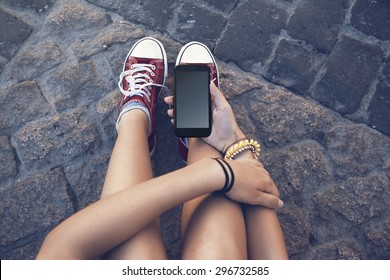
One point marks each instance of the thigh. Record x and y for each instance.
(213, 226)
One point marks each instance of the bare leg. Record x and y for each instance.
(264, 234)
(130, 165)
(213, 226)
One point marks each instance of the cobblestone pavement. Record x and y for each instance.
(309, 78)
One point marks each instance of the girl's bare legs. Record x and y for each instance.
(130, 165)
(213, 226)
(264, 234)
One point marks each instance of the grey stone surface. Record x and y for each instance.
(357, 200)
(21, 103)
(378, 240)
(372, 18)
(70, 86)
(246, 42)
(198, 23)
(54, 140)
(13, 33)
(351, 69)
(285, 66)
(380, 108)
(35, 59)
(340, 250)
(8, 164)
(355, 150)
(294, 66)
(318, 22)
(32, 204)
(282, 117)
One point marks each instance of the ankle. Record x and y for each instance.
(134, 119)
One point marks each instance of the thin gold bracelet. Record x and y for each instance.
(244, 145)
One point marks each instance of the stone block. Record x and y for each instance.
(33, 204)
(293, 66)
(222, 5)
(35, 59)
(355, 150)
(246, 42)
(318, 22)
(8, 164)
(38, 6)
(282, 117)
(234, 82)
(355, 201)
(377, 239)
(13, 33)
(107, 113)
(296, 229)
(298, 169)
(20, 104)
(198, 23)
(100, 40)
(338, 250)
(351, 68)
(54, 140)
(72, 15)
(379, 109)
(108, 4)
(87, 177)
(156, 16)
(77, 84)
(372, 18)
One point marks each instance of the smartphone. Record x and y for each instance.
(192, 101)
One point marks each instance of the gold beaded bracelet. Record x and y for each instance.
(241, 146)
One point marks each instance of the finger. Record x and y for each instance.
(217, 96)
(170, 113)
(169, 100)
(268, 200)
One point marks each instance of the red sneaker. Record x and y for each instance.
(196, 53)
(143, 78)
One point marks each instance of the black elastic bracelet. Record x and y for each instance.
(226, 175)
(231, 183)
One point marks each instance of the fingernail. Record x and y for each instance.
(280, 203)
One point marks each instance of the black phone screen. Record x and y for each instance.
(192, 101)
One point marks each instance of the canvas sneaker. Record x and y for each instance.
(196, 53)
(145, 71)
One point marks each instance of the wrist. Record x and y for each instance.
(237, 136)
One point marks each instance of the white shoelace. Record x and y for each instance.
(139, 83)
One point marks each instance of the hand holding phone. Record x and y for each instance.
(192, 101)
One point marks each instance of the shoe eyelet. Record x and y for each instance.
(153, 67)
(132, 66)
(152, 74)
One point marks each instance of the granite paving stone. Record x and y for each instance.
(372, 18)
(33, 203)
(340, 250)
(318, 22)
(13, 33)
(379, 108)
(78, 83)
(294, 66)
(56, 139)
(198, 23)
(34, 59)
(350, 70)
(250, 39)
(282, 117)
(21, 103)
(308, 79)
(378, 240)
(355, 150)
(8, 164)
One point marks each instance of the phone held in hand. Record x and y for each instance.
(192, 101)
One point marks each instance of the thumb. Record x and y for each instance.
(217, 95)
